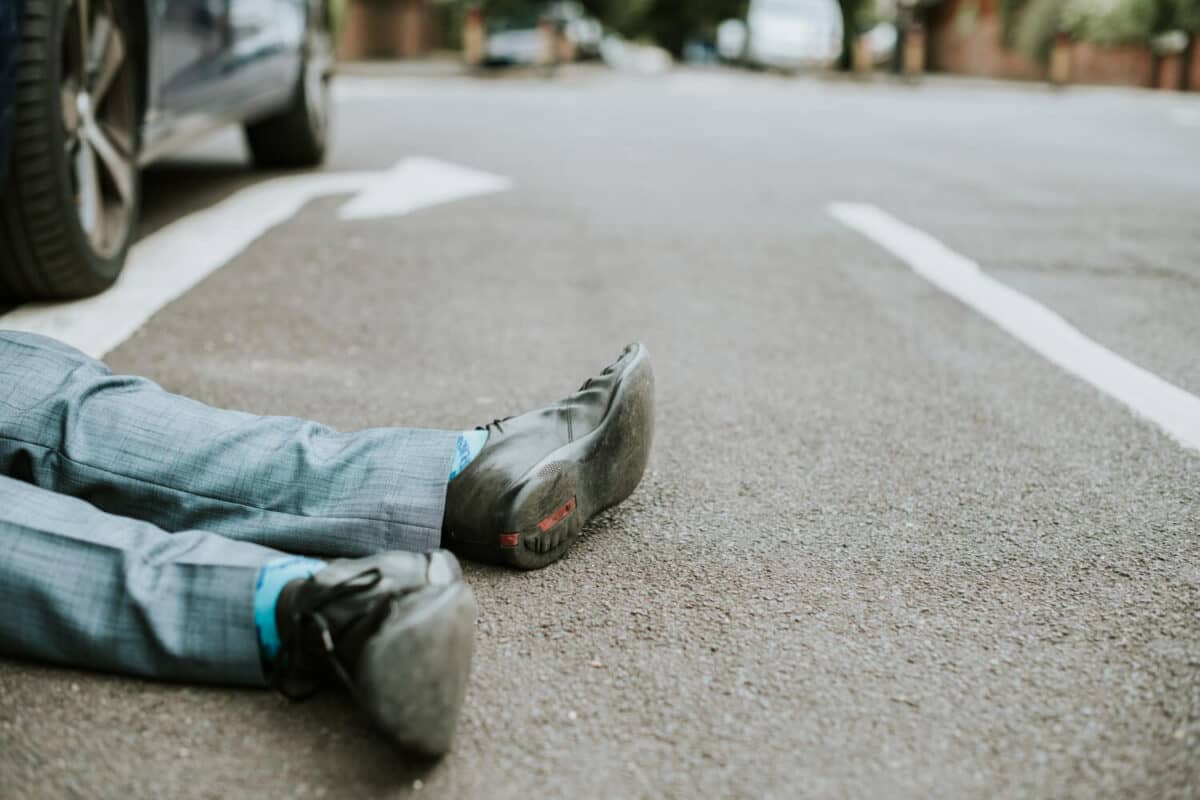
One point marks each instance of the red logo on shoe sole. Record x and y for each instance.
(561, 513)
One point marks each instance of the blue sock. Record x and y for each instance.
(273, 576)
(469, 445)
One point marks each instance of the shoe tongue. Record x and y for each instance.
(587, 408)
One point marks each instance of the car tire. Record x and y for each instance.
(69, 203)
(298, 135)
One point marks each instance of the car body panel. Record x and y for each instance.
(217, 62)
(521, 46)
(215, 52)
(208, 63)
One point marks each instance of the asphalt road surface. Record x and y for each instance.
(883, 548)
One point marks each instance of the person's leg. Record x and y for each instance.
(69, 425)
(521, 490)
(83, 588)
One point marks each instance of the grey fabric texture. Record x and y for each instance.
(133, 521)
(125, 445)
(85, 588)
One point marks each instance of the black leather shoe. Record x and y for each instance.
(396, 629)
(541, 476)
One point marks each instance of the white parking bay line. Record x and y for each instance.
(172, 260)
(1175, 411)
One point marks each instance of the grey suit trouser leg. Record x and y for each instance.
(133, 522)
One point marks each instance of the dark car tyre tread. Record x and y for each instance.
(285, 140)
(44, 252)
(290, 138)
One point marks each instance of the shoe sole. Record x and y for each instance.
(551, 503)
(413, 673)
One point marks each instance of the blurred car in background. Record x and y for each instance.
(514, 37)
(783, 34)
(107, 86)
(516, 32)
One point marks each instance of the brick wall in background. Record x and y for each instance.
(387, 29)
(966, 38)
(1127, 65)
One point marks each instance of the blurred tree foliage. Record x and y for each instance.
(1104, 22)
(337, 15)
(1036, 27)
(1184, 15)
(857, 17)
(1111, 21)
(624, 16)
(1010, 17)
(670, 23)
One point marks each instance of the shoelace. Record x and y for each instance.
(302, 619)
(496, 423)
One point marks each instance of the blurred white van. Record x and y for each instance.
(784, 34)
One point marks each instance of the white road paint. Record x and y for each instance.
(169, 262)
(417, 183)
(1175, 411)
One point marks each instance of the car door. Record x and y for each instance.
(266, 39)
(219, 56)
(192, 57)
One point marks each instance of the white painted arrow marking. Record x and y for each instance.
(418, 183)
(169, 262)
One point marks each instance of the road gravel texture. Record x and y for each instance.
(882, 549)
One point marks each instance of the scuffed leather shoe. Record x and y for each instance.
(542, 475)
(396, 629)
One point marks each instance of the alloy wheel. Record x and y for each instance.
(100, 123)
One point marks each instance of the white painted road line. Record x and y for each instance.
(171, 261)
(418, 183)
(1175, 411)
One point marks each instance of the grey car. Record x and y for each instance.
(91, 90)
